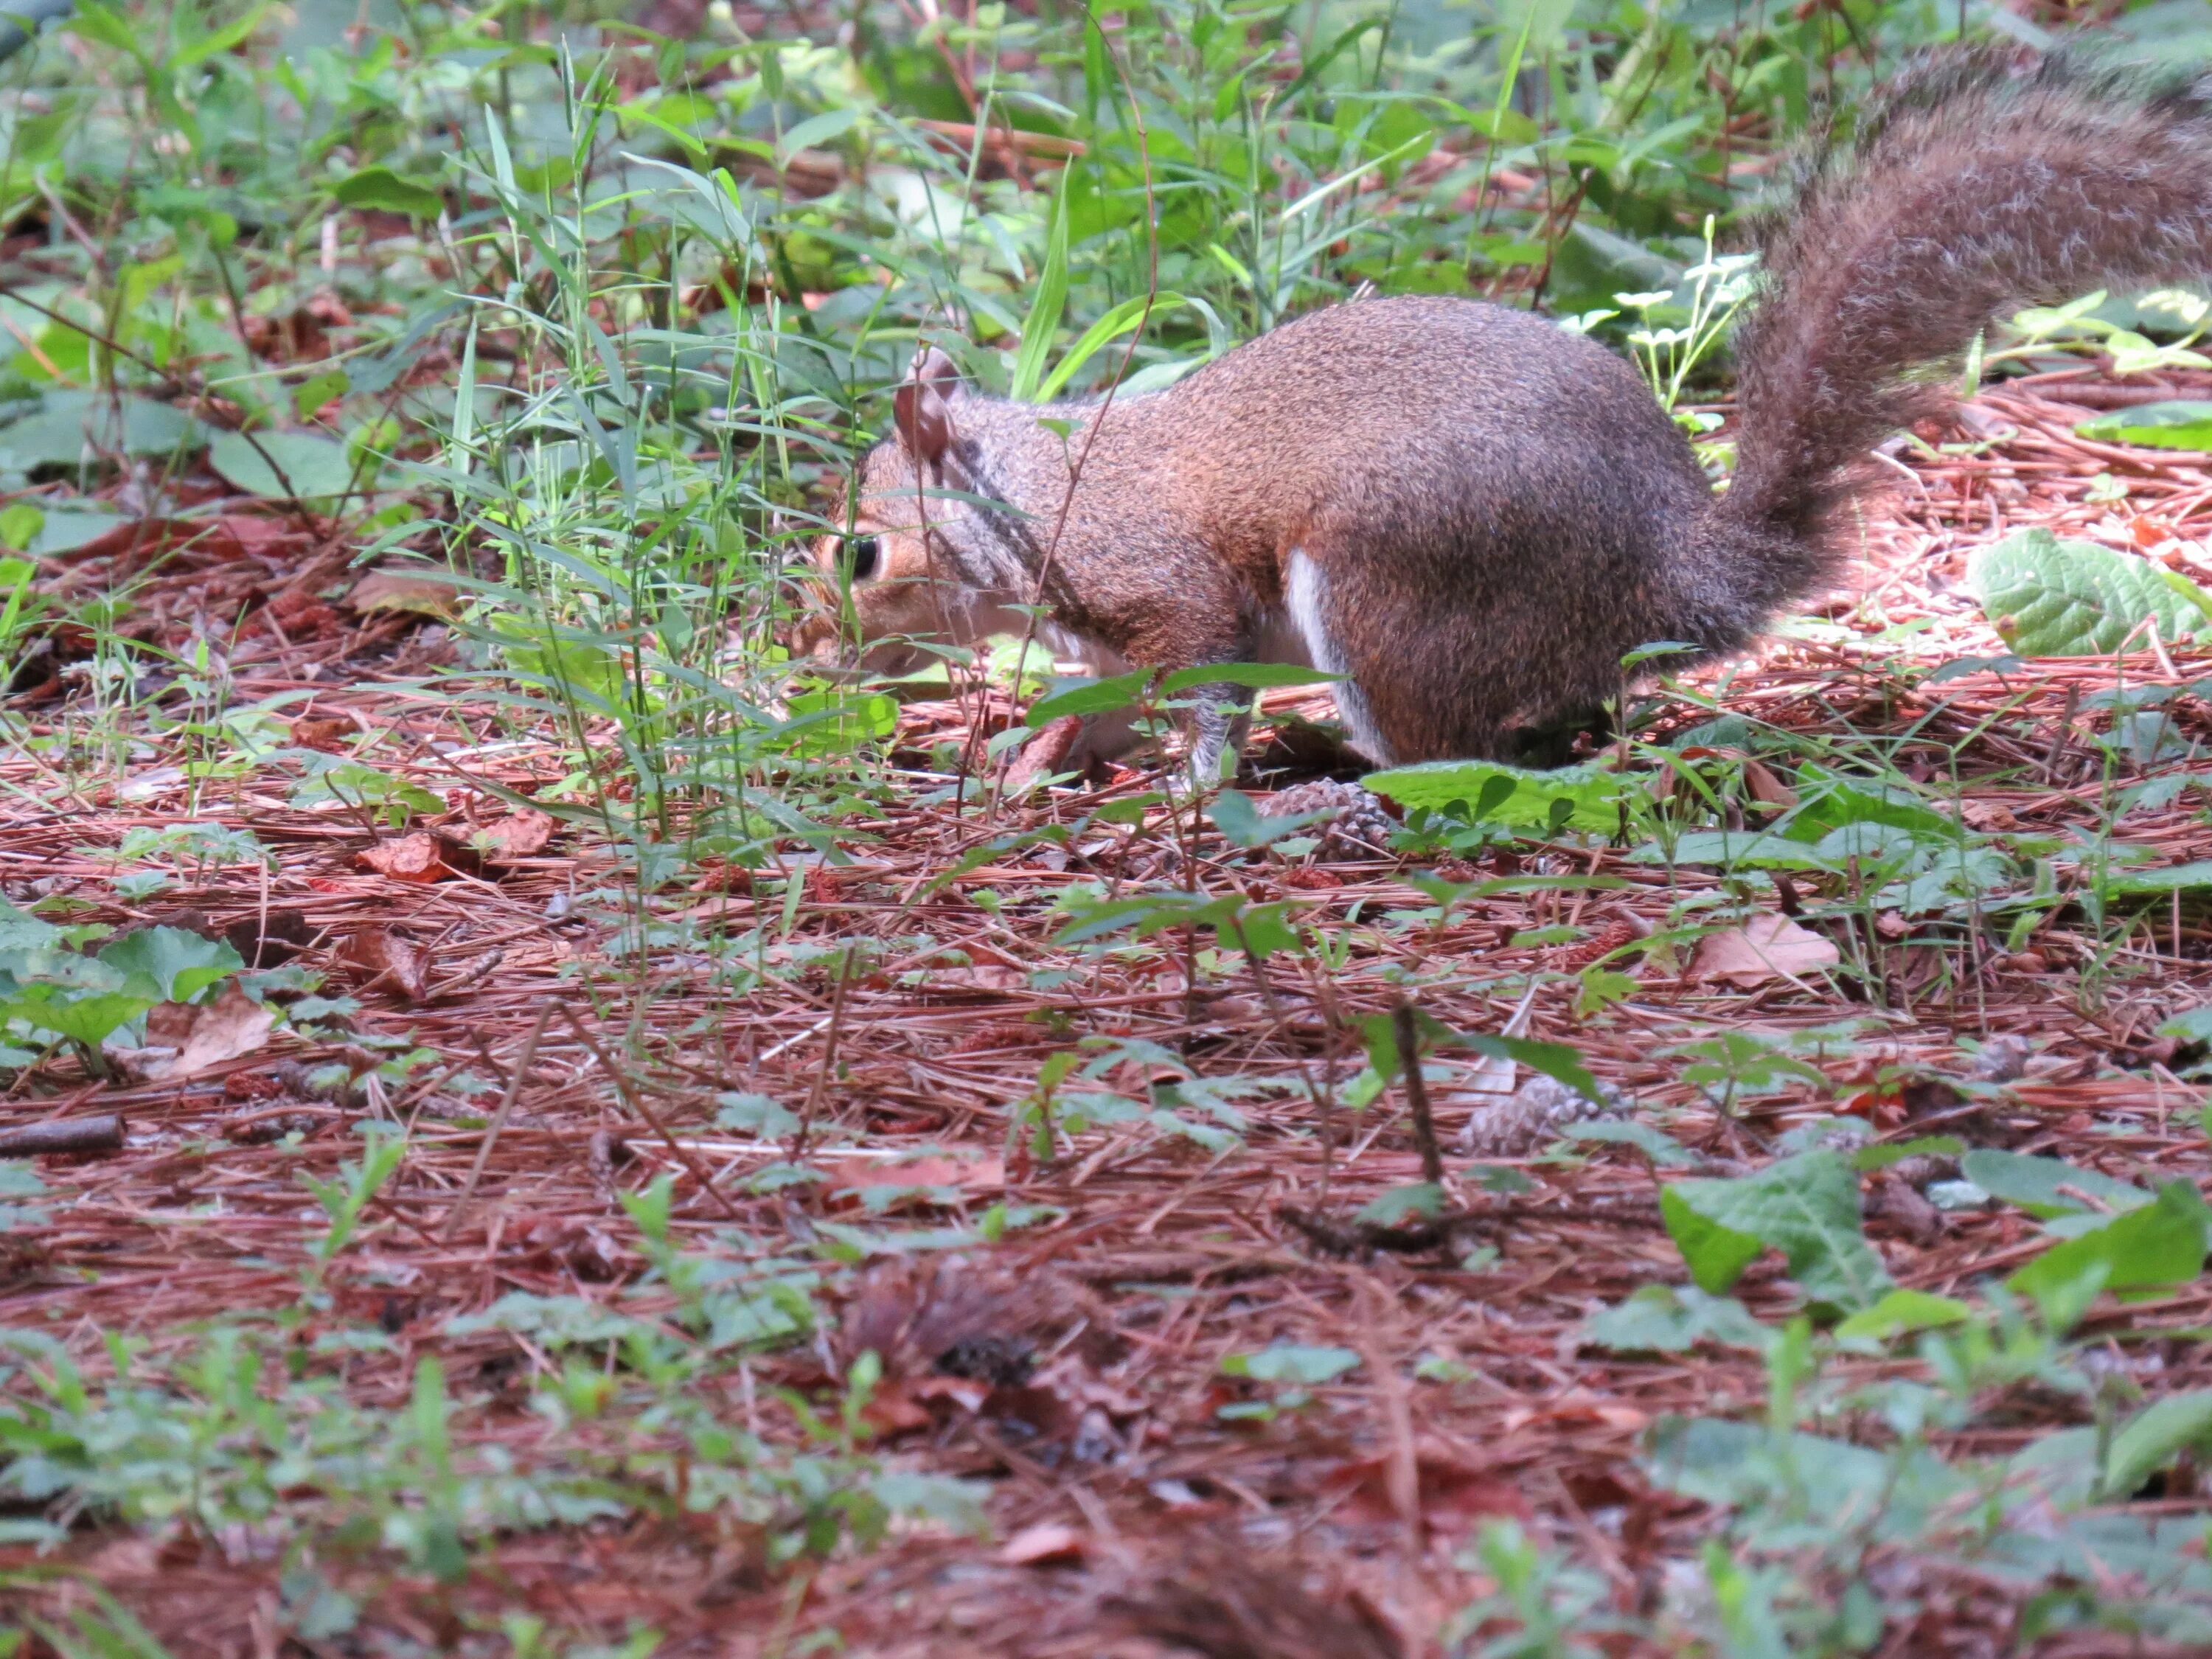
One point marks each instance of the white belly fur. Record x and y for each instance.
(1305, 599)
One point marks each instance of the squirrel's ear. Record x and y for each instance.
(923, 409)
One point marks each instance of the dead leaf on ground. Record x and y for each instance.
(1767, 947)
(1045, 753)
(420, 594)
(976, 977)
(1456, 1493)
(416, 856)
(388, 960)
(331, 735)
(522, 834)
(183, 1042)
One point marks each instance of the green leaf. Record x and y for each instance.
(1495, 792)
(1089, 697)
(382, 191)
(2146, 884)
(1254, 676)
(1716, 1256)
(89, 1020)
(1903, 1310)
(2152, 1438)
(2161, 1243)
(22, 931)
(1287, 1362)
(68, 424)
(2034, 1183)
(817, 129)
(836, 722)
(1051, 298)
(1662, 1149)
(171, 964)
(1673, 1319)
(1806, 1206)
(313, 465)
(1118, 321)
(1244, 825)
(2074, 599)
(1422, 1201)
(2180, 423)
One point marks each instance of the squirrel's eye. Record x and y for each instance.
(862, 554)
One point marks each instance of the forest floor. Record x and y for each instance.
(1205, 1407)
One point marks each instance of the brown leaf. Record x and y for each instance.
(416, 856)
(183, 1042)
(1767, 947)
(403, 590)
(387, 959)
(331, 735)
(522, 834)
(1045, 753)
(1758, 778)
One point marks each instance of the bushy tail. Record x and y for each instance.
(1971, 188)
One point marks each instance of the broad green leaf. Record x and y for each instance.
(1089, 697)
(817, 129)
(2034, 1183)
(836, 722)
(380, 190)
(1903, 1310)
(1662, 1149)
(1673, 1319)
(2152, 1438)
(22, 931)
(1253, 676)
(1244, 825)
(71, 424)
(2180, 423)
(2074, 599)
(90, 1019)
(1806, 1206)
(171, 964)
(1290, 1363)
(2161, 1243)
(311, 465)
(1716, 1256)
(2143, 883)
(1422, 1201)
(1495, 792)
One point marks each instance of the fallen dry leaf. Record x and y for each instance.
(522, 834)
(1767, 947)
(1045, 753)
(400, 590)
(331, 735)
(416, 856)
(183, 1042)
(387, 959)
(976, 977)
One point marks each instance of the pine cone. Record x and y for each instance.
(1358, 825)
(1540, 1108)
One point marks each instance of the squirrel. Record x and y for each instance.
(1472, 515)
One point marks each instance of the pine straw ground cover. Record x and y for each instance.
(694, 1261)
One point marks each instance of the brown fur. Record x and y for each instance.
(1497, 510)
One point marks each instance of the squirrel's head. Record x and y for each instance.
(920, 560)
